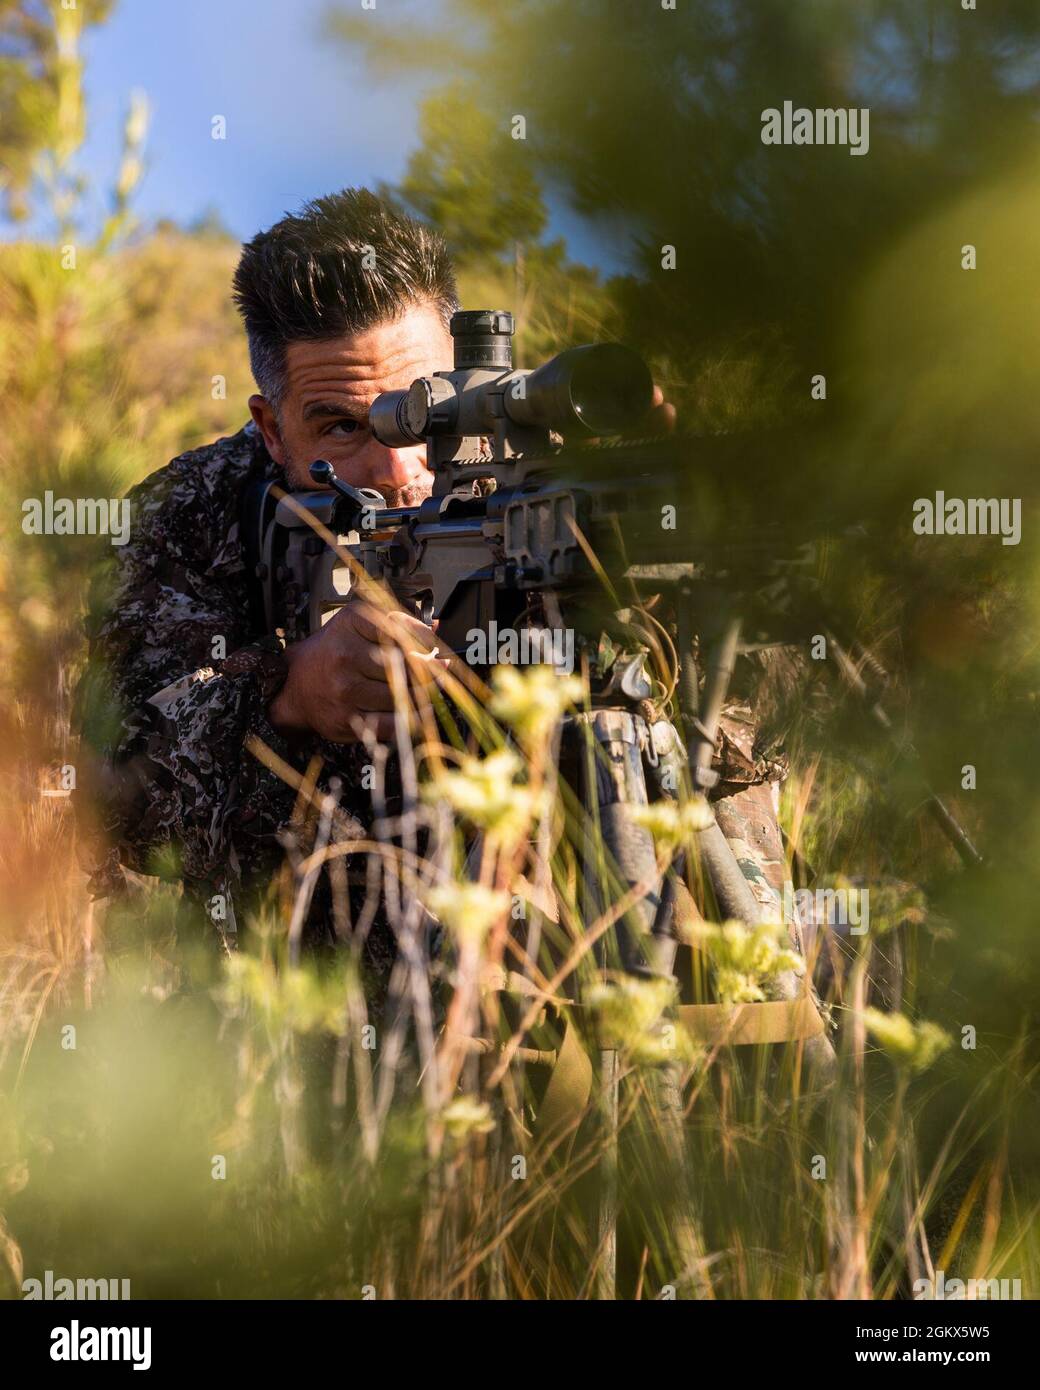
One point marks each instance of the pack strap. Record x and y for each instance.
(568, 1089)
(742, 1025)
(570, 1081)
(750, 1025)
(257, 508)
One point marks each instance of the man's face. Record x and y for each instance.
(329, 389)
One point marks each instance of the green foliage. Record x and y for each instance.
(106, 372)
(295, 999)
(115, 354)
(466, 180)
(41, 106)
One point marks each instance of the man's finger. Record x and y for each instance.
(383, 726)
(662, 416)
(373, 661)
(659, 418)
(368, 695)
(395, 626)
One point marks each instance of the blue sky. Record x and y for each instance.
(303, 116)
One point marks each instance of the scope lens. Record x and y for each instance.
(610, 388)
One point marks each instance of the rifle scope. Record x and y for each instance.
(598, 389)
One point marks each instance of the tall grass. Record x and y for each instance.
(235, 1130)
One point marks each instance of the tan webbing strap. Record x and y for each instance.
(775, 1021)
(569, 1086)
(735, 1025)
(743, 1025)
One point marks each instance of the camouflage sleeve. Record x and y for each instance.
(175, 682)
(747, 806)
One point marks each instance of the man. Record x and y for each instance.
(341, 302)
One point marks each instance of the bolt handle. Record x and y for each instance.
(358, 499)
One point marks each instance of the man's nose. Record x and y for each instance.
(396, 468)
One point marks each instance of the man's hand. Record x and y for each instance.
(659, 419)
(339, 678)
(662, 413)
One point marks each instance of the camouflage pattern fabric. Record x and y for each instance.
(747, 805)
(178, 678)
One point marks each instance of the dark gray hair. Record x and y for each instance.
(341, 265)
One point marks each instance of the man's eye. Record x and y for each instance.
(344, 427)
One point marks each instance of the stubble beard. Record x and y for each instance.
(409, 496)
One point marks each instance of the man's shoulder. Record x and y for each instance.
(196, 499)
(208, 479)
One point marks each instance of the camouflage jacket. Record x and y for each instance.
(179, 676)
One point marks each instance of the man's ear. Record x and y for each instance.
(266, 422)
